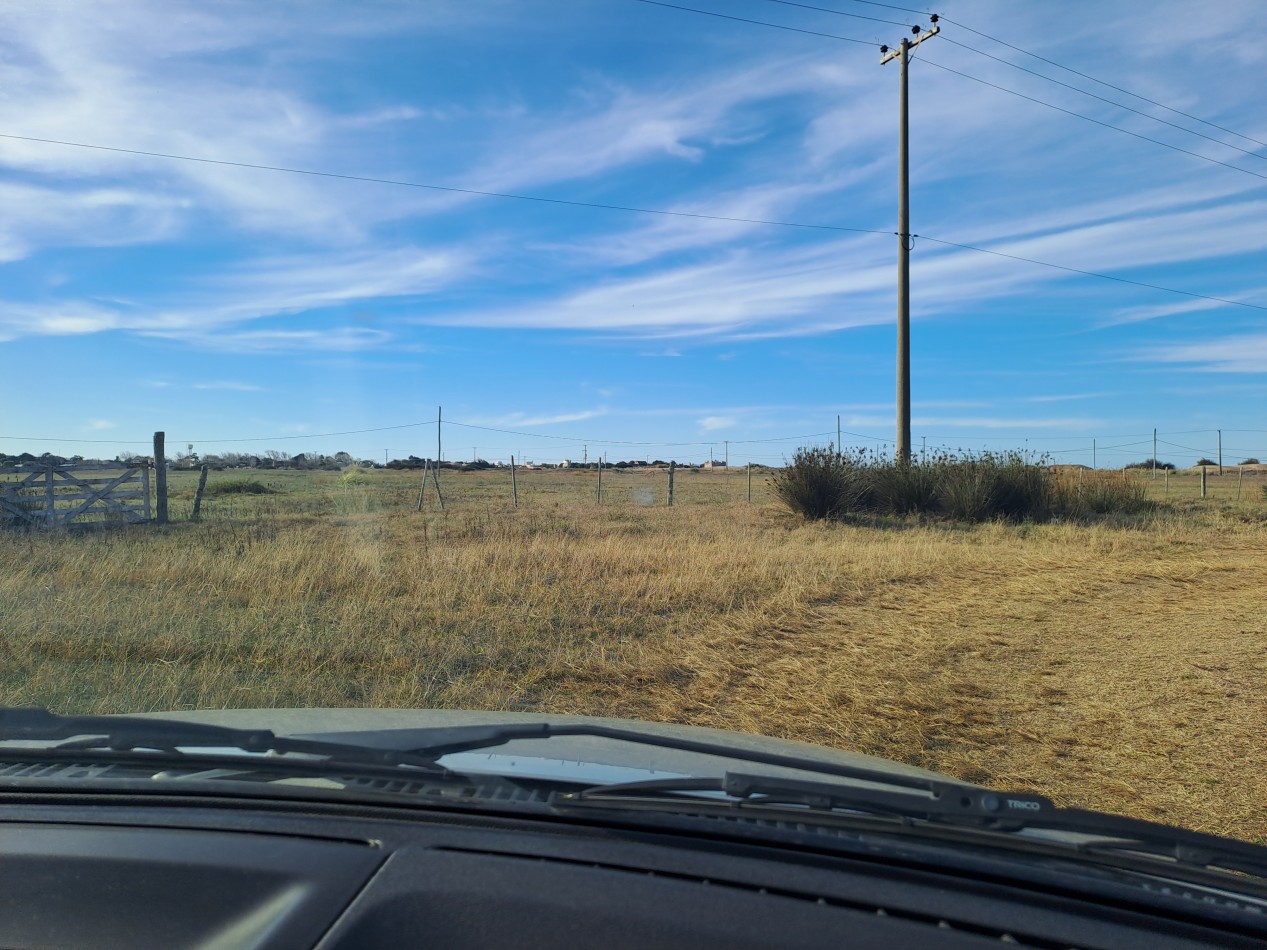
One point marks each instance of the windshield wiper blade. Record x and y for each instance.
(937, 801)
(129, 733)
(1097, 834)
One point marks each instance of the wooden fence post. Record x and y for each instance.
(514, 485)
(672, 468)
(160, 478)
(423, 486)
(1202, 481)
(202, 484)
(600, 481)
(435, 476)
(50, 497)
(1240, 477)
(750, 483)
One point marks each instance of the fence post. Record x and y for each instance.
(202, 483)
(600, 479)
(672, 468)
(435, 477)
(1240, 477)
(160, 478)
(50, 497)
(750, 483)
(1202, 481)
(145, 489)
(514, 485)
(422, 487)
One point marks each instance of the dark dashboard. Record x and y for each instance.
(92, 873)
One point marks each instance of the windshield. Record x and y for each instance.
(540, 358)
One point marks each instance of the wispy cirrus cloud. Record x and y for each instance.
(717, 423)
(229, 385)
(1237, 353)
(520, 419)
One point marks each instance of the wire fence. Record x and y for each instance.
(458, 442)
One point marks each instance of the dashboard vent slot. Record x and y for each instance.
(494, 792)
(56, 770)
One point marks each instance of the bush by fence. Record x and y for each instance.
(822, 483)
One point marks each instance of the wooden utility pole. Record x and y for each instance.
(160, 478)
(902, 53)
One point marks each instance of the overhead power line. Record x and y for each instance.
(312, 173)
(1052, 62)
(1088, 273)
(1087, 118)
(607, 207)
(1112, 102)
(1136, 95)
(739, 19)
(856, 16)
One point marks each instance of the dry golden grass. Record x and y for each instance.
(1117, 666)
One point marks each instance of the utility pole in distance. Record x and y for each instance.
(904, 244)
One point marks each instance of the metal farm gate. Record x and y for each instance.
(57, 494)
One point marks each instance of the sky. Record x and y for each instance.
(246, 308)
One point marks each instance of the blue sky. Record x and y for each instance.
(243, 309)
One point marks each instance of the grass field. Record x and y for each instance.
(1120, 665)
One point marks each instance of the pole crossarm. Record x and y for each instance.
(889, 54)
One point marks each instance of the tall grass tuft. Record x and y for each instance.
(972, 487)
(820, 483)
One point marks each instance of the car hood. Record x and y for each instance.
(574, 758)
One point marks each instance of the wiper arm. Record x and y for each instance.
(126, 734)
(939, 800)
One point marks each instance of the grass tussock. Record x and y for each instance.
(1115, 664)
(239, 486)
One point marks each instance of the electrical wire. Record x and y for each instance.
(449, 188)
(776, 26)
(1087, 118)
(626, 208)
(1052, 62)
(1088, 273)
(856, 16)
(1112, 102)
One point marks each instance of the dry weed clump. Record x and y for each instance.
(1111, 665)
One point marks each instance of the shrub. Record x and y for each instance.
(1020, 489)
(1250, 461)
(1201, 462)
(904, 488)
(1099, 493)
(820, 483)
(1150, 464)
(353, 478)
(968, 487)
